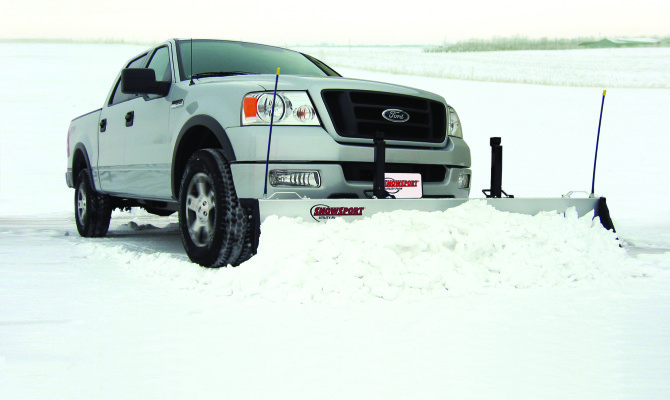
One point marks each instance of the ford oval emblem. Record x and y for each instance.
(395, 115)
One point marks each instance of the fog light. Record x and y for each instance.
(283, 177)
(464, 181)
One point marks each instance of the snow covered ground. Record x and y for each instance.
(467, 304)
(624, 67)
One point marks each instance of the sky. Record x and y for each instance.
(335, 22)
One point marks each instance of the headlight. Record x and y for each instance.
(290, 108)
(453, 123)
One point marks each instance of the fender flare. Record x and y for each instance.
(212, 125)
(80, 147)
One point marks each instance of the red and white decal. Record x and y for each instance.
(404, 186)
(321, 212)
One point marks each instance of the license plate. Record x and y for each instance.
(404, 186)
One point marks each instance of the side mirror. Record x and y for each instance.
(142, 81)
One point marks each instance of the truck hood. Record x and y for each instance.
(316, 84)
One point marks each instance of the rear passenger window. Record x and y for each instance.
(118, 96)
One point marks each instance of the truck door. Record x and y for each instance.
(112, 170)
(148, 149)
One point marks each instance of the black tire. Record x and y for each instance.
(247, 251)
(92, 210)
(212, 222)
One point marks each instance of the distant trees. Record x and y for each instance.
(521, 43)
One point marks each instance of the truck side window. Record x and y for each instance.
(118, 96)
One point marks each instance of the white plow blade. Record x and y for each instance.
(318, 210)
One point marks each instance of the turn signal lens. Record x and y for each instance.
(250, 106)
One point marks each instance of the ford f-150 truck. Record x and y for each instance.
(186, 128)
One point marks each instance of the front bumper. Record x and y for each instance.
(315, 149)
(249, 181)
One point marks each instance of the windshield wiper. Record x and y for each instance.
(219, 73)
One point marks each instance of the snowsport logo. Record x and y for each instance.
(393, 186)
(322, 212)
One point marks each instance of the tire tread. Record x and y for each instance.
(232, 224)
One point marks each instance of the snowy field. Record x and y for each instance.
(611, 68)
(467, 304)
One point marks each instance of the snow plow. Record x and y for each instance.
(288, 204)
(387, 187)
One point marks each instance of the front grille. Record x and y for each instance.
(358, 114)
(364, 172)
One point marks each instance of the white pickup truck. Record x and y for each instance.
(186, 128)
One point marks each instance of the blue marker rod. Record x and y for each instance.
(272, 118)
(595, 160)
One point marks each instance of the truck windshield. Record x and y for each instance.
(220, 56)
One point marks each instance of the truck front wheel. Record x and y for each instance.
(92, 210)
(211, 220)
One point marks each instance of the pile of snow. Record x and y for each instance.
(404, 255)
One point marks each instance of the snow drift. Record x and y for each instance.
(405, 255)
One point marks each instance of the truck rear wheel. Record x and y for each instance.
(211, 220)
(92, 210)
